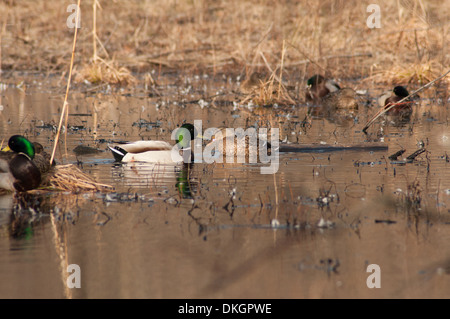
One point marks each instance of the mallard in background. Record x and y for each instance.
(341, 99)
(318, 87)
(399, 113)
(18, 172)
(253, 82)
(156, 151)
(42, 159)
(394, 96)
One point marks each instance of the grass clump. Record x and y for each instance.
(70, 178)
(101, 71)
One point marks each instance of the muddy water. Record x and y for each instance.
(225, 230)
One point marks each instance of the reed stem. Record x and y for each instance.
(65, 109)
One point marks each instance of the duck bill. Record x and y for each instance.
(6, 149)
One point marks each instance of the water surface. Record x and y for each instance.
(226, 230)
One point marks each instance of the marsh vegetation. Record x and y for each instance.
(342, 198)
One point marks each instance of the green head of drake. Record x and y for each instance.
(19, 144)
(401, 91)
(318, 87)
(315, 80)
(18, 169)
(394, 96)
(185, 134)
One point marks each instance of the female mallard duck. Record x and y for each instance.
(342, 99)
(318, 87)
(17, 169)
(394, 96)
(253, 82)
(156, 151)
(249, 146)
(42, 159)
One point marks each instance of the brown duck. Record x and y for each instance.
(318, 87)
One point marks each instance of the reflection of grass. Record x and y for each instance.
(411, 199)
(413, 196)
(327, 36)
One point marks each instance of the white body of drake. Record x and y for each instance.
(147, 151)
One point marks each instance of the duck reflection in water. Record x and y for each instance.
(20, 213)
(186, 185)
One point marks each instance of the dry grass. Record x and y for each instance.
(70, 178)
(102, 71)
(420, 73)
(268, 92)
(328, 36)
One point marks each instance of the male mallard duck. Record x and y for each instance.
(318, 87)
(341, 99)
(156, 151)
(394, 96)
(17, 169)
(388, 101)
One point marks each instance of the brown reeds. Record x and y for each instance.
(70, 178)
(328, 35)
(65, 108)
(102, 70)
(268, 91)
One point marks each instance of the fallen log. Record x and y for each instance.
(323, 148)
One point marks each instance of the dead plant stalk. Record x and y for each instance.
(65, 109)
